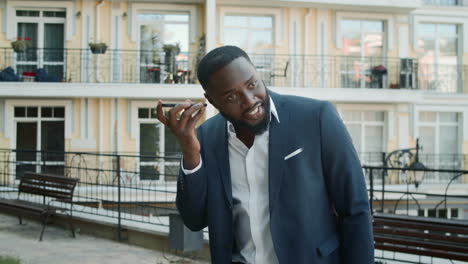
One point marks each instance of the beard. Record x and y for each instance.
(258, 128)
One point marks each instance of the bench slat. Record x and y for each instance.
(49, 184)
(432, 253)
(421, 244)
(459, 229)
(48, 193)
(443, 237)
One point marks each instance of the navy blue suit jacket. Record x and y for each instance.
(319, 209)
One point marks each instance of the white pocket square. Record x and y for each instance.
(294, 153)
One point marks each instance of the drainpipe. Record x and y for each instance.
(97, 34)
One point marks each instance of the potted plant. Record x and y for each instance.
(170, 50)
(98, 48)
(21, 44)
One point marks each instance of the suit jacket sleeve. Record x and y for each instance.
(191, 196)
(346, 187)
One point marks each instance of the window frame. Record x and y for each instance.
(275, 13)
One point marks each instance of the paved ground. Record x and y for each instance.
(59, 247)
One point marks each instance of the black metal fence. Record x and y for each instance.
(413, 196)
(142, 188)
(113, 66)
(138, 188)
(155, 66)
(439, 161)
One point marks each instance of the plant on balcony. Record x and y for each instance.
(98, 48)
(170, 50)
(21, 44)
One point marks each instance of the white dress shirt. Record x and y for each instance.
(250, 195)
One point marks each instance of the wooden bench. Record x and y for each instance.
(434, 237)
(46, 187)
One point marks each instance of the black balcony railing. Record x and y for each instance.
(114, 66)
(131, 66)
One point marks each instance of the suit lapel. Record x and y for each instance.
(277, 149)
(220, 148)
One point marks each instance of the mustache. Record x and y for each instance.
(255, 105)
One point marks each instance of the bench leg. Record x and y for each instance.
(44, 226)
(70, 223)
(20, 219)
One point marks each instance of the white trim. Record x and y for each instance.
(403, 131)
(210, 25)
(135, 8)
(83, 119)
(430, 17)
(101, 138)
(307, 34)
(274, 12)
(115, 26)
(4, 16)
(86, 22)
(98, 90)
(321, 47)
(101, 125)
(85, 141)
(10, 121)
(11, 6)
(119, 125)
(294, 29)
(389, 25)
(463, 110)
(112, 122)
(2, 116)
(403, 41)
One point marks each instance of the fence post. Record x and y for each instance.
(371, 199)
(384, 172)
(119, 225)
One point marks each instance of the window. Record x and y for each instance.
(159, 149)
(252, 33)
(362, 49)
(438, 57)
(439, 136)
(157, 30)
(40, 139)
(45, 31)
(442, 2)
(367, 130)
(447, 213)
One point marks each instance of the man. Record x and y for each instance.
(275, 178)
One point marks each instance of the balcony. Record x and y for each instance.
(114, 66)
(312, 71)
(362, 5)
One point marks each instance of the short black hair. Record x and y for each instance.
(217, 59)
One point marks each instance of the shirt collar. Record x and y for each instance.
(273, 112)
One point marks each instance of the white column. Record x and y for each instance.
(403, 131)
(210, 24)
(294, 48)
(322, 29)
(403, 41)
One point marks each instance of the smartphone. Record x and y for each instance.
(172, 105)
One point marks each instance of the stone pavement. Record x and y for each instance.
(59, 247)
